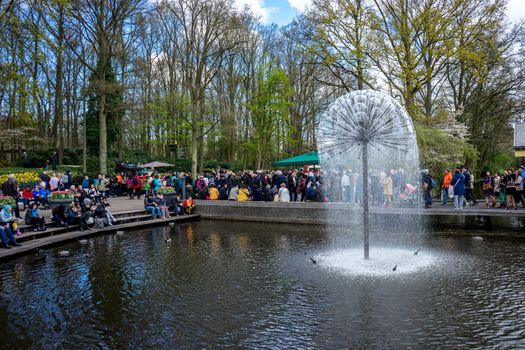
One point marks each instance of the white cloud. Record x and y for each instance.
(515, 10)
(301, 5)
(258, 8)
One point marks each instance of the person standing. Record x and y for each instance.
(25, 159)
(458, 181)
(345, 185)
(284, 194)
(119, 184)
(102, 184)
(243, 194)
(292, 186)
(214, 193)
(388, 189)
(136, 184)
(426, 184)
(510, 190)
(445, 187)
(469, 187)
(10, 189)
(234, 192)
(46, 179)
(53, 183)
(497, 189)
(488, 189)
(54, 161)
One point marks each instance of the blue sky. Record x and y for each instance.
(277, 11)
(283, 11)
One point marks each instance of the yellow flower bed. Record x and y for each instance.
(22, 178)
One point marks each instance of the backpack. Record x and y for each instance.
(135, 181)
(27, 217)
(99, 223)
(65, 179)
(433, 183)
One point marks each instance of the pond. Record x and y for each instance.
(219, 284)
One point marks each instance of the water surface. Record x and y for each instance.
(219, 284)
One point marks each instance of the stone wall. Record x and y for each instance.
(342, 214)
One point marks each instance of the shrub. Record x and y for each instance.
(61, 195)
(23, 178)
(6, 200)
(166, 190)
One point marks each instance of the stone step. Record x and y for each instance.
(44, 242)
(28, 233)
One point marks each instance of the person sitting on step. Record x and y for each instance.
(161, 202)
(34, 218)
(27, 196)
(6, 219)
(151, 207)
(74, 217)
(58, 215)
(111, 218)
(101, 218)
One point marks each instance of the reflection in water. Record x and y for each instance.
(220, 284)
(215, 243)
(244, 242)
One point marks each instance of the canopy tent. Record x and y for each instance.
(157, 165)
(310, 158)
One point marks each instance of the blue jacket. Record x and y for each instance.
(458, 181)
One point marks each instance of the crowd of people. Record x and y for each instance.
(501, 190)
(168, 193)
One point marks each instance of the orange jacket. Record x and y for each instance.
(189, 203)
(447, 179)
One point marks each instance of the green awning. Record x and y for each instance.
(310, 158)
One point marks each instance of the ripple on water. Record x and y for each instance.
(381, 263)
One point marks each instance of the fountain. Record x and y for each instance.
(362, 129)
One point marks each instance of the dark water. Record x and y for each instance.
(220, 284)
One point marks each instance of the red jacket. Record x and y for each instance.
(27, 193)
(138, 182)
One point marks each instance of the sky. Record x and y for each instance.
(282, 12)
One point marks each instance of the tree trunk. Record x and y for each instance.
(194, 135)
(103, 144)
(59, 113)
(194, 151)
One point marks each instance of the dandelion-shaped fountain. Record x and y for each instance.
(362, 128)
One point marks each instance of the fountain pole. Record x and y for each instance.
(366, 233)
